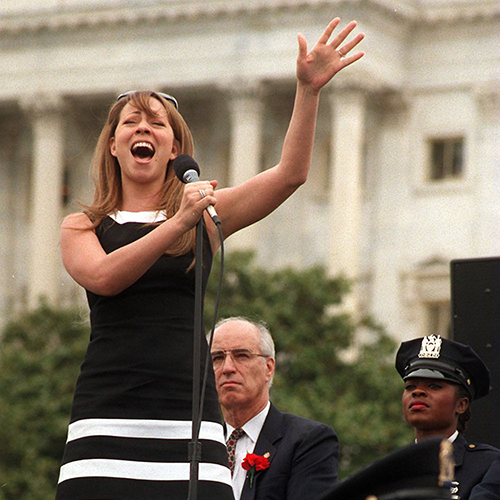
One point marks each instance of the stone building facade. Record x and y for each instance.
(406, 168)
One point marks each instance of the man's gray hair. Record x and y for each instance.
(266, 340)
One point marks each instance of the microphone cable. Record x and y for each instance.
(214, 321)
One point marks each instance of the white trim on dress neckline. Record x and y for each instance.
(123, 216)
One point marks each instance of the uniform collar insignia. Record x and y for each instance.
(431, 347)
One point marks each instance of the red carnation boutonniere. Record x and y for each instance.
(254, 463)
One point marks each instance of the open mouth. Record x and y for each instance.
(143, 150)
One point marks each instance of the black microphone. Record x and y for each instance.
(187, 170)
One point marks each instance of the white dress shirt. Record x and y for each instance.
(451, 439)
(246, 444)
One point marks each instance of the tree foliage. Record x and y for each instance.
(358, 396)
(39, 361)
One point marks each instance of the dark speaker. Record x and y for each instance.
(475, 320)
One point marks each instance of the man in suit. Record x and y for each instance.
(296, 457)
(441, 379)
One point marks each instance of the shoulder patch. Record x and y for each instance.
(481, 447)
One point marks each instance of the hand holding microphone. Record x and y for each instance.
(187, 170)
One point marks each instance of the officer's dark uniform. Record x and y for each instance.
(442, 359)
(489, 487)
(472, 461)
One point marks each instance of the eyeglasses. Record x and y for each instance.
(168, 97)
(239, 356)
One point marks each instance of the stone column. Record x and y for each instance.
(246, 113)
(346, 191)
(13, 175)
(485, 154)
(45, 112)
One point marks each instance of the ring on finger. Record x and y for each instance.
(202, 193)
(340, 54)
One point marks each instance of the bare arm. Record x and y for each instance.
(253, 200)
(109, 274)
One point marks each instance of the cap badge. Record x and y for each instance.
(431, 347)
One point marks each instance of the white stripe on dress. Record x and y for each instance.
(145, 429)
(122, 216)
(146, 471)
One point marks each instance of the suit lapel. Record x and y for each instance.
(269, 436)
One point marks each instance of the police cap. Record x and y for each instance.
(438, 358)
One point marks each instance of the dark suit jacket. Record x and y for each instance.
(303, 459)
(489, 487)
(471, 463)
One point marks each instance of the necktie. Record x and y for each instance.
(231, 446)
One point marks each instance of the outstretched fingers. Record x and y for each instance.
(343, 34)
(329, 30)
(340, 38)
(345, 49)
(317, 67)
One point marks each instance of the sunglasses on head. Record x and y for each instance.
(168, 97)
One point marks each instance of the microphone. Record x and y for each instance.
(187, 170)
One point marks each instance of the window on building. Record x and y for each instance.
(438, 318)
(446, 158)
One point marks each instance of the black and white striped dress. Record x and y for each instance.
(131, 416)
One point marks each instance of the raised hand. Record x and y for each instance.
(319, 66)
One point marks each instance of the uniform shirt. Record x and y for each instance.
(451, 439)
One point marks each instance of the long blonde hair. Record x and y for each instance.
(106, 169)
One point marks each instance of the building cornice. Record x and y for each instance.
(460, 12)
(86, 14)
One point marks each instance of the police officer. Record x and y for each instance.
(441, 379)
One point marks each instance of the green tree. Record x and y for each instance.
(358, 395)
(40, 358)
